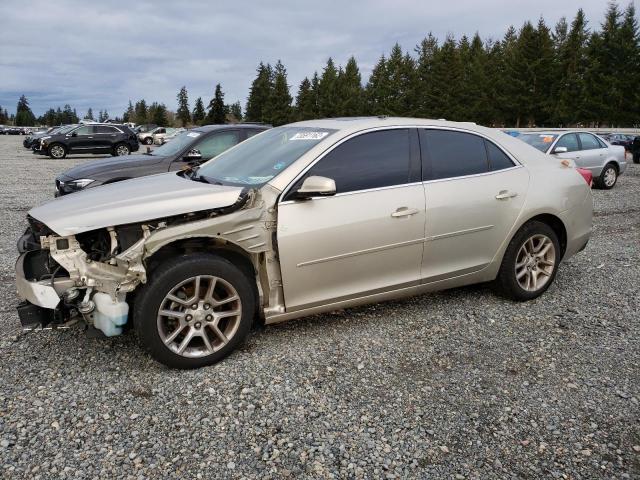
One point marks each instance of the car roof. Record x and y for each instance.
(209, 128)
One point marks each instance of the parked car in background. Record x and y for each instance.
(163, 135)
(145, 128)
(302, 219)
(149, 137)
(635, 149)
(96, 138)
(619, 139)
(188, 149)
(606, 162)
(36, 135)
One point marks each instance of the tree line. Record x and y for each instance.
(568, 75)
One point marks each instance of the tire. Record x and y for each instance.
(608, 177)
(508, 282)
(148, 141)
(164, 336)
(636, 158)
(57, 151)
(121, 150)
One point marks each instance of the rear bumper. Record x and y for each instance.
(579, 224)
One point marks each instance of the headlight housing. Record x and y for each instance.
(80, 183)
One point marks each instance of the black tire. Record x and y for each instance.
(636, 158)
(54, 149)
(122, 147)
(506, 282)
(603, 184)
(148, 141)
(163, 280)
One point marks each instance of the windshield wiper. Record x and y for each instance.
(193, 175)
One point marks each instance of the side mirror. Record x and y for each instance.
(560, 150)
(74, 134)
(315, 186)
(192, 155)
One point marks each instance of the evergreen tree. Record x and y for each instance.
(199, 113)
(157, 114)
(306, 106)
(259, 94)
(424, 72)
(350, 91)
(105, 115)
(217, 112)
(446, 81)
(378, 89)
(140, 112)
(89, 115)
(129, 114)
(278, 107)
(327, 91)
(473, 96)
(24, 115)
(236, 111)
(628, 80)
(3, 117)
(183, 114)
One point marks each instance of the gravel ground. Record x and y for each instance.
(459, 384)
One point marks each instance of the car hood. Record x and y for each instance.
(96, 168)
(132, 201)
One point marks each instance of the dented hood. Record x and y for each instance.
(132, 201)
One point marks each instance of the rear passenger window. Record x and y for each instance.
(452, 154)
(372, 160)
(588, 142)
(498, 160)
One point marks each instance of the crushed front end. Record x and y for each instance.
(89, 274)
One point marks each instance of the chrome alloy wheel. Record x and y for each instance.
(199, 316)
(610, 175)
(122, 150)
(535, 262)
(57, 151)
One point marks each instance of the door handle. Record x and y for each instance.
(404, 212)
(504, 194)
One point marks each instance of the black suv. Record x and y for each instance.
(91, 138)
(189, 148)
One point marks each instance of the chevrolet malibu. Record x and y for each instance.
(298, 220)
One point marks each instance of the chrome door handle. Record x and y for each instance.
(504, 194)
(404, 212)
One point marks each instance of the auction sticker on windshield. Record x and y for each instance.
(193, 134)
(309, 136)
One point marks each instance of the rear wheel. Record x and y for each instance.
(57, 151)
(121, 149)
(530, 262)
(608, 177)
(194, 311)
(148, 141)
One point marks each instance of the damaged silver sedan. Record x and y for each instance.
(299, 220)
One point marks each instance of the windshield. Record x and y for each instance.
(541, 141)
(177, 144)
(262, 157)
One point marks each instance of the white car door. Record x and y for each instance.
(474, 194)
(368, 237)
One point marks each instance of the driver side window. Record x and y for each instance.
(86, 130)
(217, 143)
(570, 141)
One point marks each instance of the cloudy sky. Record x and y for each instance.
(100, 54)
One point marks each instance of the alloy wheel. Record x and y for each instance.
(57, 151)
(122, 150)
(535, 262)
(610, 175)
(199, 316)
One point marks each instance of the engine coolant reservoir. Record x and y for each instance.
(109, 315)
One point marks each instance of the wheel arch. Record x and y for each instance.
(554, 222)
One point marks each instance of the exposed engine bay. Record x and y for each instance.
(92, 275)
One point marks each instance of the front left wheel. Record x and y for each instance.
(194, 311)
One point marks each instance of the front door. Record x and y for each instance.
(81, 139)
(474, 195)
(366, 239)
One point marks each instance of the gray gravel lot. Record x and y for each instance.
(459, 384)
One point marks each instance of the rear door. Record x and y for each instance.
(593, 155)
(105, 137)
(368, 237)
(474, 193)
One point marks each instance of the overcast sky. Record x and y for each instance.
(102, 53)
